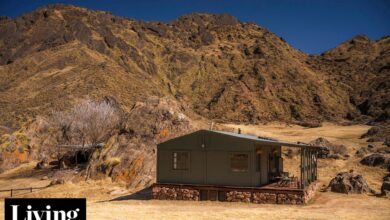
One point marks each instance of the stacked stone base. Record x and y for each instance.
(265, 197)
(268, 196)
(237, 196)
(174, 193)
(310, 191)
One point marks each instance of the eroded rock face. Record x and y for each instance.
(134, 149)
(348, 182)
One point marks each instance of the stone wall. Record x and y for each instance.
(269, 197)
(237, 196)
(288, 198)
(174, 193)
(310, 191)
(264, 198)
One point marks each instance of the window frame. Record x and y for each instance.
(187, 162)
(231, 154)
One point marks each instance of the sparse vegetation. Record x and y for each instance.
(109, 164)
(88, 123)
(209, 67)
(248, 84)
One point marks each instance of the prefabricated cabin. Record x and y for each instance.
(209, 157)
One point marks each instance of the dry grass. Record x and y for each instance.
(342, 135)
(325, 206)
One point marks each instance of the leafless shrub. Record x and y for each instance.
(87, 123)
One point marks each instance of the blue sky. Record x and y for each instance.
(312, 26)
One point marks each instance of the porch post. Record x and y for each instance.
(315, 166)
(306, 167)
(310, 167)
(302, 184)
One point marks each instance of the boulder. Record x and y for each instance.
(375, 159)
(331, 148)
(57, 182)
(349, 182)
(323, 142)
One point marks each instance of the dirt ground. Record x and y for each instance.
(107, 200)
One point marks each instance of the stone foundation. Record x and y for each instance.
(310, 191)
(237, 196)
(259, 196)
(168, 193)
(264, 198)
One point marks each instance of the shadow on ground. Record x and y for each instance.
(144, 194)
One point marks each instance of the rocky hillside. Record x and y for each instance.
(213, 66)
(362, 67)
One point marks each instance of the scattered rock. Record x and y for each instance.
(363, 151)
(45, 178)
(349, 182)
(378, 134)
(57, 182)
(375, 159)
(370, 146)
(371, 132)
(42, 165)
(335, 151)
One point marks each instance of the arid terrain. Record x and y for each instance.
(64, 68)
(213, 66)
(110, 200)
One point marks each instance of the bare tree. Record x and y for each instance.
(88, 123)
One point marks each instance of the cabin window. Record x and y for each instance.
(180, 160)
(239, 162)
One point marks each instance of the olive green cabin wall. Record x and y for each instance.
(210, 160)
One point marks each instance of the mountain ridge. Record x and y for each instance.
(214, 66)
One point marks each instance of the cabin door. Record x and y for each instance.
(273, 165)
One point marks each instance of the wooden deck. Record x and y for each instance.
(283, 186)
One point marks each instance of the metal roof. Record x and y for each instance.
(262, 140)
